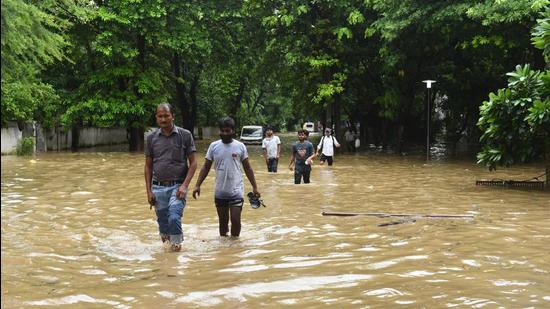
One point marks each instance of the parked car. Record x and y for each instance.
(310, 126)
(252, 134)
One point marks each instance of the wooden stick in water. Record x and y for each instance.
(381, 214)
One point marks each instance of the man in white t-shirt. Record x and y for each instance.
(227, 155)
(272, 150)
(326, 147)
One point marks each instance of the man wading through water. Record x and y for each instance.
(167, 173)
(228, 155)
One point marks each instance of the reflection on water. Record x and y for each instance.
(77, 231)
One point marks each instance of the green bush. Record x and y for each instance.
(25, 147)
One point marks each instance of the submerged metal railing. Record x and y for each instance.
(533, 183)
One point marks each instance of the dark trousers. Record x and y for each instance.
(272, 165)
(302, 171)
(351, 146)
(326, 158)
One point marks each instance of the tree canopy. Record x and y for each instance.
(108, 63)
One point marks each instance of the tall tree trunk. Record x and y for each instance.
(337, 117)
(75, 137)
(75, 134)
(135, 138)
(194, 102)
(237, 100)
(181, 96)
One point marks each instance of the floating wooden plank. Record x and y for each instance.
(383, 215)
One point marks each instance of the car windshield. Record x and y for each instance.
(252, 132)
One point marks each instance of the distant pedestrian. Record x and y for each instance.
(301, 158)
(350, 139)
(326, 147)
(168, 173)
(227, 154)
(271, 146)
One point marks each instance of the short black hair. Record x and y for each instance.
(269, 128)
(226, 122)
(303, 131)
(167, 106)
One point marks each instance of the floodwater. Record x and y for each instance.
(77, 232)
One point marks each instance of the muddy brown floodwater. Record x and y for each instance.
(77, 232)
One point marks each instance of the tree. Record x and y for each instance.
(515, 121)
(31, 40)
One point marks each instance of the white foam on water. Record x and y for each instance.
(166, 294)
(249, 253)
(342, 245)
(387, 263)
(475, 302)
(289, 230)
(502, 282)
(290, 301)
(472, 263)
(92, 272)
(81, 193)
(369, 249)
(74, 299)
(300, 264)
(64, 257)
(245, 262)
(384, 292)
(417, 273)
(240, 292)
(405, 302)
(121, 245)
(245, 268)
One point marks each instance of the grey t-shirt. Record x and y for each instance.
(227, 160)
(301, 152)
(169, 153)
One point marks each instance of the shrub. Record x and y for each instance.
(25, 147)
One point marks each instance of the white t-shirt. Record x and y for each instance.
(270, 144)
(227, 160)
(328, 147)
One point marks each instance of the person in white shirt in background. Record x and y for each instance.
(272, 150)
(326, 147)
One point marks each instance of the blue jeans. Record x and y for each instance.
(169, 211)
(272, 165)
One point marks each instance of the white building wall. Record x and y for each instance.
(10, 137)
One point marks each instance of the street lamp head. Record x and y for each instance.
(429, 83)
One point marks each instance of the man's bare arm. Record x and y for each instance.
(202, 175)
(250, 175)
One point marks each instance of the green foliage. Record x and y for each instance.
(25, 146)
(31, 40)
(516, 121)
(541, 34)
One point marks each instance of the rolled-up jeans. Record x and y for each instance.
(169, 211)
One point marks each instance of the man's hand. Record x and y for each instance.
(196, 192)
(151, 198)
(291, 167)
(256, 192)
(182, 192)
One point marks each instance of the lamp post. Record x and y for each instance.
(428, 86)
